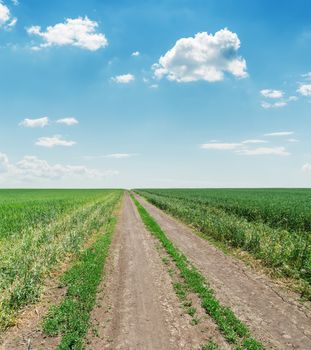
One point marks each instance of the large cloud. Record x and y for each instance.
(202, 57)
(6, 19)
(31, 168)
(80, 32)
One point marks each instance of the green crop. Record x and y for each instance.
(39, 228)
(225, 215)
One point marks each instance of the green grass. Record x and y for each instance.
(71, 317)
(234, 331)
(287, 253)
(45, 237)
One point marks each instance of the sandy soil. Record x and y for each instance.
(273, 315)
(137, 306)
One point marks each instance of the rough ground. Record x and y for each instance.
(273, 315)
(137, 306)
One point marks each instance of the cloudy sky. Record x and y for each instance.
(155, 93)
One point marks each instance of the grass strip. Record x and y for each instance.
(71, 317)
(230, 326)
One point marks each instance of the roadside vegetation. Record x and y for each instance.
(287, 253)
(40, 230)
(70, 318)
(234, 331)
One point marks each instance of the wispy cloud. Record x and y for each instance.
(53, 141)
(124, 78)
(259, 151)
(280, 133)
(254, 141)
(112, 155)
(34, 123)
(220, 146)
(7, 21)
(79, 32)
(67, 121)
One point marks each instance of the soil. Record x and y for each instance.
(137, 307)
(274, 315)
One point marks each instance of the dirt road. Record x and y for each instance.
(274, 317)
(137, 306)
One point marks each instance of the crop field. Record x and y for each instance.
(274, 225)
(94, 269)
(38, 229)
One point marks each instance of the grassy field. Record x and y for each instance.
(39, 228)
(272, 225)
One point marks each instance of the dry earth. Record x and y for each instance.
(137, 306)
(274, 316)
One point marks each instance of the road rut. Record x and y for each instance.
(137, 306)
(274, 317)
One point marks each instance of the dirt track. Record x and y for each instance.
(273, 316)
(137, 307)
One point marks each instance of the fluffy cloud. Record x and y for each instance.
(276, 151)
(80, 32)
(272, 93)
(67, 121)
(6, 19)
(55, 140)
(31, 168)
(123, 79)
(280, 133)
(220, 146)
(202, 57)
(34, 123)
(304, 90)
(306, 167)
(135, 53)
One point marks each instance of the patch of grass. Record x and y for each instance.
(71, 317)
(229, 325)
(28, 256)
(210, 346)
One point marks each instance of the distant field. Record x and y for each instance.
(272, 224)
(38, 229)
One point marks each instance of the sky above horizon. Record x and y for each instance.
(152, 93)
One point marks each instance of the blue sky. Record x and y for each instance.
(155, 93)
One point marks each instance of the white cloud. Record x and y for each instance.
(67, 121)
(202, 57)
(135, 54)
(153, 86)
(123, 79)
(280, 133)
(34, 123)
(112, 155)
(306, 167)
(6, 19)
(55, 140)
(31, 168)
(293, 140)
(272, 93)
(267, 105)
(304, 90)
(254, 141)
(276, 151)
(307, 76)
(220, 146)
(79, 32)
